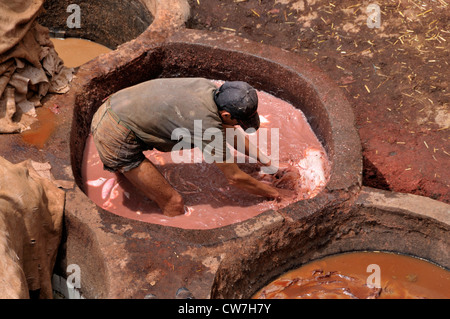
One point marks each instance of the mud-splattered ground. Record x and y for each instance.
(396, 76)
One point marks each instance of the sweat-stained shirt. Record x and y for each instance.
(170, 111)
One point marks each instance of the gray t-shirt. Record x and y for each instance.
(176, 112)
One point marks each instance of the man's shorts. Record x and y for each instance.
(118, 147)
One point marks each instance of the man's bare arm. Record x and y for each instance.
(239, 138)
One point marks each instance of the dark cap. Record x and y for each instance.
(241, 101)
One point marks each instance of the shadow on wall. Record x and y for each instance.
(372, 177)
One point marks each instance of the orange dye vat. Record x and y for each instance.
(362, 275)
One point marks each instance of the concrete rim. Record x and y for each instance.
(377, 221)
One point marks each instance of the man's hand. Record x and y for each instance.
(244, 181)
(285, 181)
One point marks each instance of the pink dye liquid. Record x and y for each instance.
(212, 202)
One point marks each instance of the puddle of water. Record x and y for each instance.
(354, 275)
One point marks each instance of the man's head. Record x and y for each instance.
(239, 101)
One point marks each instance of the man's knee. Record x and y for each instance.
(175, 205)
(177, 200)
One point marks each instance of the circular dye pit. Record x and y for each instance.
(361, 275)
(211, 201)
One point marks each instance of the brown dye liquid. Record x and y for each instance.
(42, 129)
(75, 52)
(346, 276)
(211, 200)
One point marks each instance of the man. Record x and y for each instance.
(145, 116)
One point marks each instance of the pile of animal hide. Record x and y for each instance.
(31, 214)
(29, 65)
